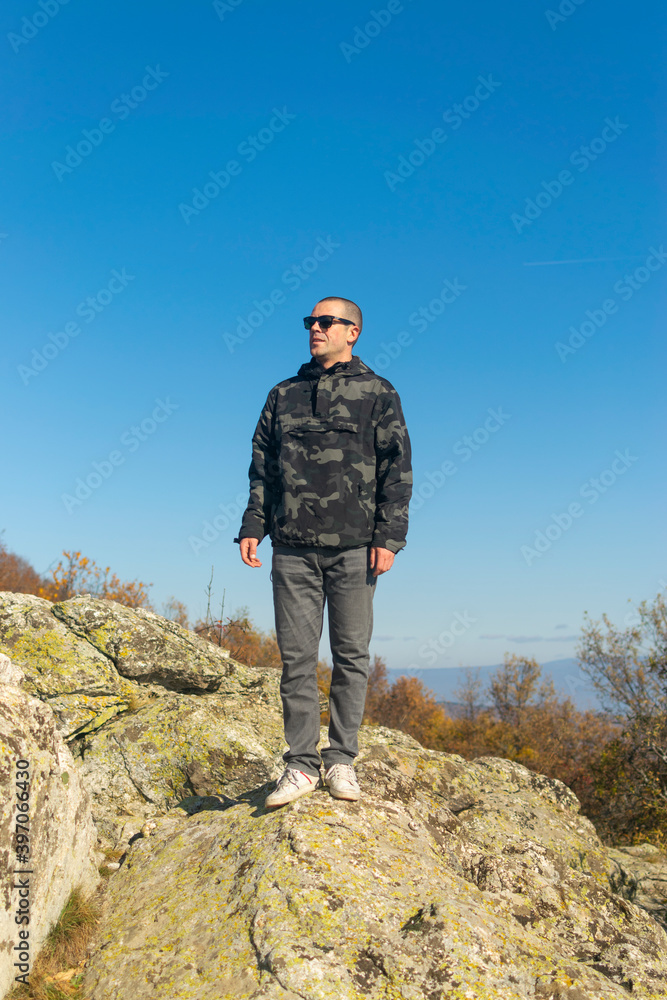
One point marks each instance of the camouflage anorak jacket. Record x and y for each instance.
(331, 461)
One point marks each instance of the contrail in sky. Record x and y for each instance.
(585, 260)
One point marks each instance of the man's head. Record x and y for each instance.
(336, 342)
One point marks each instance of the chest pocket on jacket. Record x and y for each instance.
(312, 434)
(308, 444)
(288, 424)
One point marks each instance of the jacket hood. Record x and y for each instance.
(313, 369)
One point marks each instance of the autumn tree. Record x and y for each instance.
(630, 784)
(468, 694)
(249, 644)
(406, 704)
(74, 574)
(516, 686)
(628, 667)
(77, 574)
(241, 637)
(323, 672)
(16, 573)
(376, 690)
(468, 732)
(519, 717)
(175, 611)
(413, 707)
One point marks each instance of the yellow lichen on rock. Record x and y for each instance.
(447, 879)
(346, 900)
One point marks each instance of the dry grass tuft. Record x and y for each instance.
(58, 970)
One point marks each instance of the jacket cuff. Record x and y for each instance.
(252, 530)
(386, 543)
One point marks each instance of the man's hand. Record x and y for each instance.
(248, 549)
(381, 560)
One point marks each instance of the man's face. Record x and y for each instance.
(334, 344)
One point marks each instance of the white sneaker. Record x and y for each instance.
(292, 784)
(342, 782)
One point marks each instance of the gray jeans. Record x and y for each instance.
(304, 579)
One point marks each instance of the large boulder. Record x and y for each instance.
(144, 762)
(143, 645)
(87, 656)
(81, 685)
(47, 836)
(447, 878)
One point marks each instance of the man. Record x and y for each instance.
(330, 482)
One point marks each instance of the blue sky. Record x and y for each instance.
(181, 184)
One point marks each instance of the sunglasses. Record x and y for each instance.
(326, 322)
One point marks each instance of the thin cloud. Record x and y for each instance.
(540, 638)
(583, 260)
(531, 638)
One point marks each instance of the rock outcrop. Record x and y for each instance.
(79, 683)
(48, 807)
(448, 878)
(644, 869)
(86, 656)
(172, 746)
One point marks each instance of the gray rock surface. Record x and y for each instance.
(172, 746)
(144, 646)
(447, 879)
(10, 674)
(62, 836)
(643, 876)
(81, 685)
(85, 656)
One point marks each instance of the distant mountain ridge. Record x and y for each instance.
(569, 681)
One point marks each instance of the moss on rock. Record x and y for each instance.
(448, 878)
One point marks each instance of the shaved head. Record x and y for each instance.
(346, 308)
(334, 343)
